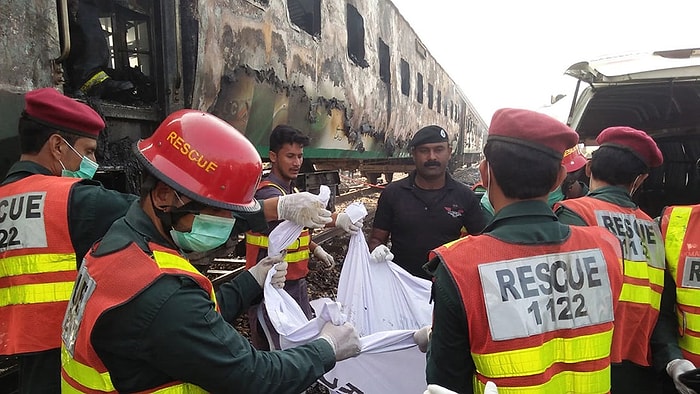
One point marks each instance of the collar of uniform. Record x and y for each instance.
(449, 181)
(527, 222)
(615, 195)
(23, 169)
(136, 227)
(289, 186)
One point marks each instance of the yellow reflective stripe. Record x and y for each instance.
(94, 80)
(172, 261)
(640, 295)
(262, 241)
(675, 234)
(184, 388)
(642, 270)
(537, 360)
(689, 343)
(37, 264)
(692, 322)
(84, 374)
(563, 382)
(35, 293)
(688, 296)
(295, 257)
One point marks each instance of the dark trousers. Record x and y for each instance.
(89, 49)
(40, 373)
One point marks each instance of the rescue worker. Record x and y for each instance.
(50, 214)
(571, 187)
(286, 156)
(425, 209)
(617, 168)
(141, 318)
(679, 228)
(528, 295)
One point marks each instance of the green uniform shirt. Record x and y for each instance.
(526, 222)
(170, 331)
(628, 377)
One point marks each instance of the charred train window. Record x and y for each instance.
(384, 62)
(439, 101)
(111, 53)
(419, 88)
(405, 78)
(306, 14)
(430, 96)
(356, 37)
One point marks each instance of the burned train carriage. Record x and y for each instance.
(353, 74)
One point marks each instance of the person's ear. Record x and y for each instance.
(55, 144)
(163, 196)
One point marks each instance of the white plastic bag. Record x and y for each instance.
(385, 303)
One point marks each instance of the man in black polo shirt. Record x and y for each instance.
(424, 210)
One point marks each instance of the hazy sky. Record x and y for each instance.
(513, 53)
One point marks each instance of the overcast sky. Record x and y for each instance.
(513, 53)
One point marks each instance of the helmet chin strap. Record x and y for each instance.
(166, 218)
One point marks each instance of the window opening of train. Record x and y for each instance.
(430, 96)
(419, 88)
(356, 37)
(306, 14)
(384, 62)
(405, 78)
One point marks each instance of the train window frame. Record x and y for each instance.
(438, 106)
(384, 62)
(310, 20)
(430, 95)
(419, 87)
(405, 77)
(355, 26)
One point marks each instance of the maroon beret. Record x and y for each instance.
(532, 129)
(50, 108)
(632, 140)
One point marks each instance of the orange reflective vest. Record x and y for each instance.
(297, 253)
(98, 290)
(540, 317)
(643, 264)
(37, 263)
(680, 226)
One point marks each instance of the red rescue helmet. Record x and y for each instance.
(204, 158)
(573, 160)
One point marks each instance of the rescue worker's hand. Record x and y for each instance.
(381, 254)
(344, 340)
(422, 337)
(675, 368)
(303, 209)
(324, 257)
(343, 221)
(259, 270)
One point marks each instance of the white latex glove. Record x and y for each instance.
(435, 389)
(381, 254)
(675, 368)
(490, 388)
(345, 222)
(259, 270)
(304, 209)
(422, 337)
(324, 257)
(344, 340)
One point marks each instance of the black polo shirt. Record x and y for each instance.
(419, 220)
